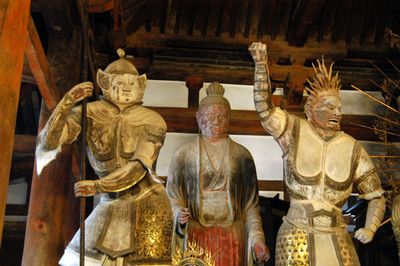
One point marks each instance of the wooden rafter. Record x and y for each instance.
(40, 68)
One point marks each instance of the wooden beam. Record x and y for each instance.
(25, 144)
(40, 68)
(183, 120)
(14, 16)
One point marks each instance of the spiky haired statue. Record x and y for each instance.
(323, 84)
(322, 164)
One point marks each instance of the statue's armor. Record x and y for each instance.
(319, 176)
(113, 135)
(316, 169)
(321, 165)
(136, 225)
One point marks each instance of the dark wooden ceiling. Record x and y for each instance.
(174, 39)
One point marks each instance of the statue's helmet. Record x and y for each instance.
(121, 65)
(125, 70)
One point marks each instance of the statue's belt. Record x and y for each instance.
(308, 217)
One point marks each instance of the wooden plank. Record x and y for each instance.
(22, 167)
(100, 6)
(249, 15)
(276, 14)
(262, 19)
(163, 16)
(40, 68)
(342, 18)
(384, 18)
(56, 14)
(305, 16)
(14, 17)
(17, 209)
(179, 15)
(369, 22)
(270, 185)
(220, 7)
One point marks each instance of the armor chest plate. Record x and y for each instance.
(111, 138)
(316, 168)
(314, 156)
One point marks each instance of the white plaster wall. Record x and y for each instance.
(163, 93)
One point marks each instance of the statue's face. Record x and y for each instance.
(125, 89)
(326, 113)
(213, 120)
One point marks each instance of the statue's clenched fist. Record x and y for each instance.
(364, 235)
(258, 51)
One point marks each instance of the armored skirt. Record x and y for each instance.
(314, 237)
(127, 230)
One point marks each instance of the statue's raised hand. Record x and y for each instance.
(85, 188)
(81, 91)
(258, 51)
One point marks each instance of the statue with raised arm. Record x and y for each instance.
(212, 186)
(321, 165)
(131, 226)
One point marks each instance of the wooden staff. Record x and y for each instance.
(82, 6)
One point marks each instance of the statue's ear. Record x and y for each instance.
(142, 80)
(103, 79)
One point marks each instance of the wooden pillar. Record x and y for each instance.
(53, 215)
(14, 17)
(194, 84)
(51, 209)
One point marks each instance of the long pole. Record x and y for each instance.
(82, 5)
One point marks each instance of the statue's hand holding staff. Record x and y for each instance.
(184, 216)
(85, 188)
(80, 91)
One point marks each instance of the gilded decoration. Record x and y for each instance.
(194, 255)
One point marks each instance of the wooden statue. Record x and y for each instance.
(321, 165)
(212, 186)
(123, 141)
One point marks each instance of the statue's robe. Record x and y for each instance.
(133, 225)
(319, 175)
(223, 201)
